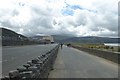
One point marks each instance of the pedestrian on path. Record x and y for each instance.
(61, 45)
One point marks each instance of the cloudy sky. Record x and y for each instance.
(71, 17)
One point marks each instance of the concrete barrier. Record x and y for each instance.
(114, 57)
(35, 69)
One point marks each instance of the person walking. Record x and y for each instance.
(61, 45)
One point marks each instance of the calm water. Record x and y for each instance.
(112, 44)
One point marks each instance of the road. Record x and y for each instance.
(13, 57)
(73, 63)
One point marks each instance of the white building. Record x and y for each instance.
(48, 39)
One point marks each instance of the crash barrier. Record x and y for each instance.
(104, 54)
(35, 69)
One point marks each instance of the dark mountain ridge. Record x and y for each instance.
(10, 33)
(11, 38)
(92, 39)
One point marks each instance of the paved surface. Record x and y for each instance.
(0, 61)
(13, 57)
(73, 63)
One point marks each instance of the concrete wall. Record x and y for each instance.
(104, 54)
(35, 69)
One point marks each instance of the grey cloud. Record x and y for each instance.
(81, 20)
(110, 34)
(42, 21)
(15, 13)
(119, 8)
(38, 10)
(54, 22)
(6, 24)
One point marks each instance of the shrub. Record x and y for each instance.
(106, 47)
(112, 48)
(118, 49)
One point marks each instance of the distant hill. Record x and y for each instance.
(36, 37)
(86, 39)
(11, 38)
(9, 33)
(92, 39)
(57, 38)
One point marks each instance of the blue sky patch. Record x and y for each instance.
(76, 7)
(70, 9)
(67, 12)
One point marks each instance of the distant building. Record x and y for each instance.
(48, 39)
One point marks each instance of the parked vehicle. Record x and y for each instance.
(68, 44)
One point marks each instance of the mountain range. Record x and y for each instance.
(92, 39)
(62, 38)
(10, 33)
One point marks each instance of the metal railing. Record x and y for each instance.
(36, 68)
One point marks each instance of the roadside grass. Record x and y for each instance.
(98, 46)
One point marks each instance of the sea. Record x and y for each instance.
(112, 44)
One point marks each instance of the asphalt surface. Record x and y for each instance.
(13, 57)
(0, 61)
(73, 63)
